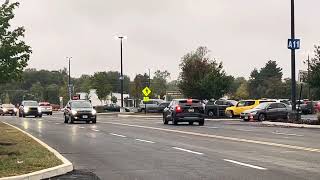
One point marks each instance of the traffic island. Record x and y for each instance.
(23, 156)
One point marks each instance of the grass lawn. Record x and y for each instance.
(20, 154)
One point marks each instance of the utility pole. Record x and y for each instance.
(149, 79)
(293, 61)
(69, 78)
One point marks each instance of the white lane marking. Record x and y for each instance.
(189, 151)
(245, 164)
(96, 130)
(210, 127)
(279, 133)
(57, 123)
(222, 137)
(119, 135)
(81, 127)
(246, 130)
(146, 141)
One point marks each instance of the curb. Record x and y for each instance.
(292, 125)
(45, 173)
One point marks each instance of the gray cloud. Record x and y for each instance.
(243, 34)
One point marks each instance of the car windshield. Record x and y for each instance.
(262, 106)
(8, 106)
(81, 104)
(31, 103)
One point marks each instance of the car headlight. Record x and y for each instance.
(253, 113)
(94, 112)
(25, 109)
(15, 110)
(39, 109)
(5, 109)
(74, 112)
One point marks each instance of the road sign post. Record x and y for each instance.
(146, 92)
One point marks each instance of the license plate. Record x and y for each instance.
(191, 110)
(85, 116)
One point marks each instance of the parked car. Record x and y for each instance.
(153, 105)
(30, 108)
(184, 110)
(79, 110)
(8, 109)
(46, 108)
(305, 106)
(267, 111)
(317, 107)
(162, 106)
(242, 106)
(114, 108)
(216, 108)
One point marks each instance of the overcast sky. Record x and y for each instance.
(243, 34)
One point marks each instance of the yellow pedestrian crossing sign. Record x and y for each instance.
(146, 91)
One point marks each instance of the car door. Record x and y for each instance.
(272, 111)
(282, 110)
(168, 111)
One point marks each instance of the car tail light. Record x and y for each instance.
(178, 109)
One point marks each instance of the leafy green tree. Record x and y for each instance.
(203, 77)
(114, 99)
(101, 84)
(242, 91)
(37, 91)
(159, 83)
(14, 52)
(266, 82)
(139, 82)
(314, 80)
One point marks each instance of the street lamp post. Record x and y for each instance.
(121, 75)
(69, 78)
(293, 63)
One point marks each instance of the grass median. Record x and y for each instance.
(20, 154)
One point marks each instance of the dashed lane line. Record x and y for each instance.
(118, 135)
(146, 141)
(309, 149)
(245, 164)
(187, 150)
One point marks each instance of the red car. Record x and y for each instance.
(317, 107)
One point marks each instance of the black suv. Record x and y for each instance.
(79, 110)
(184, 110)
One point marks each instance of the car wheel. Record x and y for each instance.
(229, 114)
(262, 117)
(201, 123)
(40, 115)
(87, 122)
(174, 121)
(94, 121)
(23, 115)
(211, 113)
(20, 114)
(165, 121)
(71, 120)
(190, 123)
(65, 119)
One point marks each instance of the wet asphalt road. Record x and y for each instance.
(145, 149)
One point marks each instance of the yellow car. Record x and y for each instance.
(243, 106)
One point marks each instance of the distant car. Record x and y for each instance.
(8, 109)
(79, 110)
(114, 108)
(216, 108)
(267, 111)
(305, 106)
(184, 110)
(30, 108)
(243, 106)
(46, 108)
(151, 106)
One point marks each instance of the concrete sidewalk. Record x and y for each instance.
(291, 125)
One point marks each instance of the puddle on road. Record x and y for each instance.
(77, 174)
